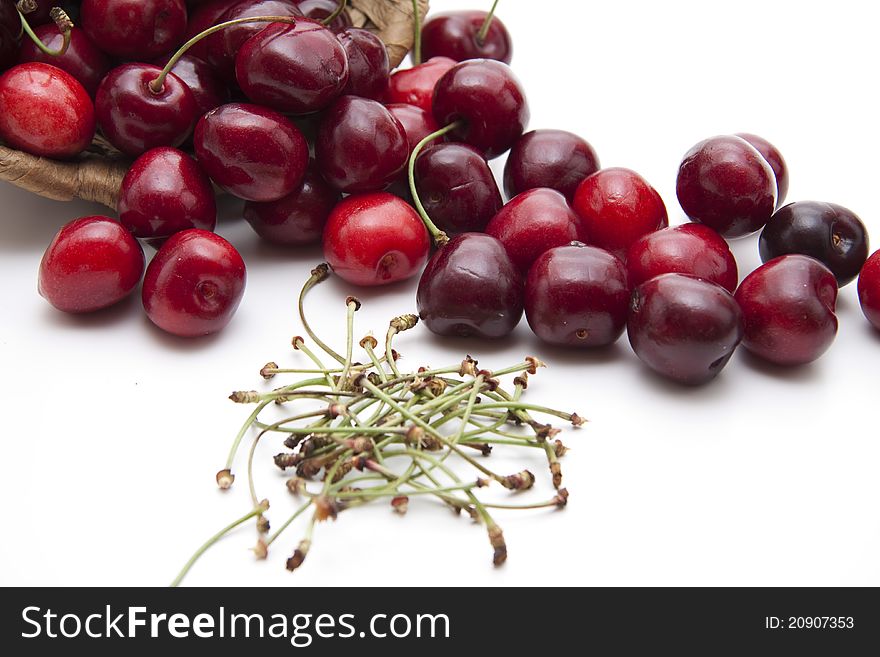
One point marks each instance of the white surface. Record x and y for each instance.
(112, 432)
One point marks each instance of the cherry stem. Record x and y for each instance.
(440, 238)
(157, 85)
(484, 29)
(417, 34)
(64, 24)
(332, 17)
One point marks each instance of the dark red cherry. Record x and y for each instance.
(166, 191)
(320, 9)
(556, 159)
(833, 235)
(774, 158)
(252, 152)
(375, 239)
(82, 59)
(416, 122)
(457, 188)
(415, 86)
(297, 69)
(134, 118)
(488, 99)
(134, 29)
(788, 309)
(368, 65)
(618, 207)
(725, 183)
(471, 288)
(683, 327)
(455, 35)
(577, 296)
(208, 90)
(194, 284)
(869, 290)
(45, 111)
(92, 263)
(201, 17)
(688, 249)
(360, 145)
(297, 219)
(10, 28)
(533, 222)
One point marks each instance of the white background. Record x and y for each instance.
(112, 432)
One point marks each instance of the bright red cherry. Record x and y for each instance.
(320, 9)
(375, 239)
(296, 69)
(577, 296)
(471, 288)
(869, 289)
(360, 145)
(297, 219)
(252, 152)
(788, 306)
(556, 159)
(166, 191)
(82, 59)
(533, 222)
(774, 158)
(416, 122)
(618, 207)
(132, 29)
(456, 35)
(488, 99)
(134, 118)
(725, 183)
(688, 249)
(207, 88)
(684, 328)
(45, 111)
(92, 263)
(194, 284)
(415, 86)
(368, 65)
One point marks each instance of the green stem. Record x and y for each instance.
(417, 34)
(288, 522)
(484, 28)
(351, 305)
(319, 274)
(332, 17)
(65, 25)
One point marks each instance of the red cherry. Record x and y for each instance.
(375, 239)
(533, 222)
(194, 284)
(368, 65)
(774, 158)
(201, 17)
(549, 158)
(82, 59)
(869, 289)
(45, 111)
(134, 28)
(92, 263)
(689, 249)
(416, 122)
(788, 306)
(251, 151)
(207, 88)
(318, 10)
(134, 118)
(415, 86)
(164, 192)
(455, 35)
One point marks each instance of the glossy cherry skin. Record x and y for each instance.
(297, 219)
(577, 296)
(415, 86)
(774, 158)
(134, 118)
(208, 90)
(832, 234)
(725, 183)
(375, 239)
(296, 69)
(457, 188)
(360, 146)
(45, 111)
(490, 101)
(869, 290)
(201, 17)
(368, 65)
(454, 35)
(166, 191)
(533, 222)
(556, 159)
(134, 29)
(788, 308)
(417, 123)
(471, 288)
(252, 152)
(688, 249)
(320, 9)
(684, 328)
(92, 263)
(82, 59)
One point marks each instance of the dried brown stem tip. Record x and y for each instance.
(285, 461)
(368, 341)
(61, 19)
(296, 485)
(468, 367)
(299, 555)
(400, 504)
(534, 364)
(263, 524)
(560, 449)
(577, 420)
(325, 509)
(519, 481)
(496, 539)
(225, 479)
(404, 322)
(245, 397)
(353, 300)
(269, 370)
(561, 498)
(321, 272)
(556, 471)
(261, 549)
(522, 380)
